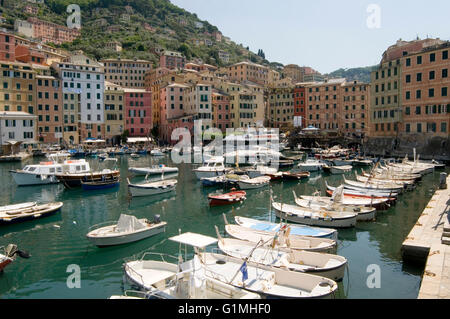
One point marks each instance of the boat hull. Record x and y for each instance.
(27, 179)
(75, 180)
(5, 261)
(11, 219)
(94, 187)
(137, 191)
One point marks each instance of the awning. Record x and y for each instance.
(13, 142)
(133, 140)
(194, 240)
(89, 141)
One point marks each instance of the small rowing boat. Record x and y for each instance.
(29, 213)
(227, 199)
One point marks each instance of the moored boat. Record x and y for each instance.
(154, 170)
(320, 264)
(296, 175)
(227, 199)
(9, 254)
(323, 218)
(151, 188)
(29, 213)
(254, 183)
(300, 230)
(104, 183)
(127, 229)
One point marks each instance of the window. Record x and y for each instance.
(408, 62)
(432, 57)
(408, 128)
(431, 93)
(419, 77)
(419, 59)
(444, 91)
(443, 127)
(419, 127)
(432, 75)
(444, 73)
(408, 110)
(408, 78)
(444, 55)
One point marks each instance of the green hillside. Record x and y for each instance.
(355, 74)
(102, 21)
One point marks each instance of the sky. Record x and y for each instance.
(324, 34)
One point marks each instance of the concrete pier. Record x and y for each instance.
(429, 243)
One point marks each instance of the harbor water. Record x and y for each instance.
(58, 242)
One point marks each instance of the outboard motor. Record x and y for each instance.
(157, 219)
(11, 251)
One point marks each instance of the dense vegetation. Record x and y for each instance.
(355, 74)
(141, 26)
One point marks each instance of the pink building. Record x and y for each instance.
(138, 112)
(221, 110)
(7, 47)
(173, 110)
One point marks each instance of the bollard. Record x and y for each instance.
(443, 181)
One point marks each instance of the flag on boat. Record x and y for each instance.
(244, 271)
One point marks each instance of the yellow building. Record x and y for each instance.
(17, 88)
(114, 112)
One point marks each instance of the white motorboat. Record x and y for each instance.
(157, 153)
(45, 172)
(341, 169)
(311, 165)
(128, 229)
(284, 239)
(152, 188)
(312, 217)
(254, 183)
(314, 263)
(300, 230)
(342, 162)
(154, 170)
(212, 168)
(364, 213)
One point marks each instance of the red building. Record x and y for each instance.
(7, 47)
(138, 112)
(172, 60)
(27, 54)
(300, 104)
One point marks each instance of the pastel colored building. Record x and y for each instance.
(49, 109)
(126, 73)
(247, 71)
(172, 60)
(51, 32)
(114, 113)
(174, 110)
(299, 92)
(7, 47)
(425, 93)
(16, 129)
(281, 107)
(355, 99)
(221, 110)
(138, 112)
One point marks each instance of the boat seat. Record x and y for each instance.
(321, 290)
(332, 263)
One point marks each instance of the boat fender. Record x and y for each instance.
(157, 219)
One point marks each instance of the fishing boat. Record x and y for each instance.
(338, 196)
(127, 229)
(359, 162)
(379, 181)
(254, 183)
(284, 238)
(46, 172)
(227, 199)
(323, 218)
(213, 167)
(387, 188)
(336, 170)
(264, 280)
(154, 170)
(71, 180)
(311, 165)
(104, 183)
(314, 263)
(152, 188)
(342, 162)
(364, 213)
(260, 170)
(9, 254)
(391, 197)
(29, 212)
(16, 207)
(299, 230)
(235, 177)
(296, 176)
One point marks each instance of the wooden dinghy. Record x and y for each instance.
(272, 228)
(28, 213)
(364, 213)
(323, 218)
(285, 239)
(151, 188)
(296, 175)
(314, 263)
(227, 199)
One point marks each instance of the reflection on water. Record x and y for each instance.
(59, 240)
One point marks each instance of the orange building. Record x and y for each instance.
(247, 71)
(7, 47)
(425, 91)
